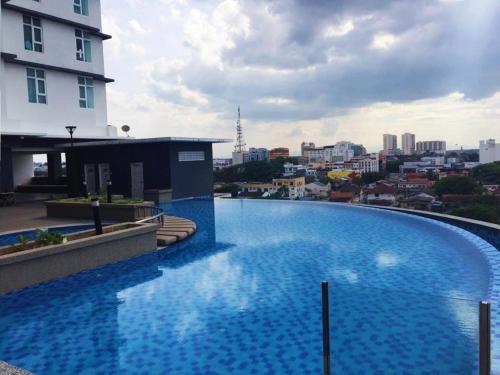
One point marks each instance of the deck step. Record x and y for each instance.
(174, 229)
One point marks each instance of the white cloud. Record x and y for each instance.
(383, 41)
(275, 101)
(137, 27)
(136, 49)
(211, 34)
(340, 29)
(110, 26)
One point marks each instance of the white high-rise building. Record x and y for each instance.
(408, 143)
(390, 144)
(438, 147)
(341, 151)
(489, 151)
(51, 76)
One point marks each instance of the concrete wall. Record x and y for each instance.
(30, 267)
(22, 166)
(191, 178)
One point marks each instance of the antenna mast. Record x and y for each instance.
(240, 142)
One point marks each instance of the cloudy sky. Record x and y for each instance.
(305, 70)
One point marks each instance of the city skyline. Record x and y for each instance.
(311, 80)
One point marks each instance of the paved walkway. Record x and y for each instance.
(30, 215)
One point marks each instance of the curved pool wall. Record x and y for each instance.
(487, 231)
(243, 296)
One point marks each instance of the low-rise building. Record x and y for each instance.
(380, 193)
(342, 174)
(294, 170)
(420, 201)
(222, 163)
(295, 186)
(415, 184)
(317, 190)
(279, 152)
(341, 197)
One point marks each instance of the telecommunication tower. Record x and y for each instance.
(240, 145)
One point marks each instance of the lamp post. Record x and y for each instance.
(71, 130)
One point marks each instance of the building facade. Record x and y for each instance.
(51, 76)
(390, 144)
(295, 186)
(279, 152)
(408, 143)
(341, 151)
(256, 154)
(305, 147)
(438, 147)
(489, 151)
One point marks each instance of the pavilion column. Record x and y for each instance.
(54, 167)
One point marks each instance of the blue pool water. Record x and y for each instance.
(11, 238)
(243, 297)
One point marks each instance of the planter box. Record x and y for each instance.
(26, 268)
(109, 211)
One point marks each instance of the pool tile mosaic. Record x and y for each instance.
(243, 297)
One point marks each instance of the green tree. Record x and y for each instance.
(479, 212)
(456, 185)
(487, 173)
(392, 166)
(369, 177)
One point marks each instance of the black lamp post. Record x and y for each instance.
(71, 130)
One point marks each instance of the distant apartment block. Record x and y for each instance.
(256, 154)
(390, 144)
(489, 151)
(305, 147)
(408, 144)
(438, 147)
(279, 152)
(222, 163)
(341, 151)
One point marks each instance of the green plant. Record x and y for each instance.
(23, 241)
(46, 238)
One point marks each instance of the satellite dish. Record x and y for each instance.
(126, 129)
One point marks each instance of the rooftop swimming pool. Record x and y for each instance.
(243, 296)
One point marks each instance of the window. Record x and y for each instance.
(83, 46)
(37, 91)
(86, 89)
(191, 155)
(81, 7)
(32, 33)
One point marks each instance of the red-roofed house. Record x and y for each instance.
(338, 196)
(381, 194)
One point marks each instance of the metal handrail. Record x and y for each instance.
(156, 214)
